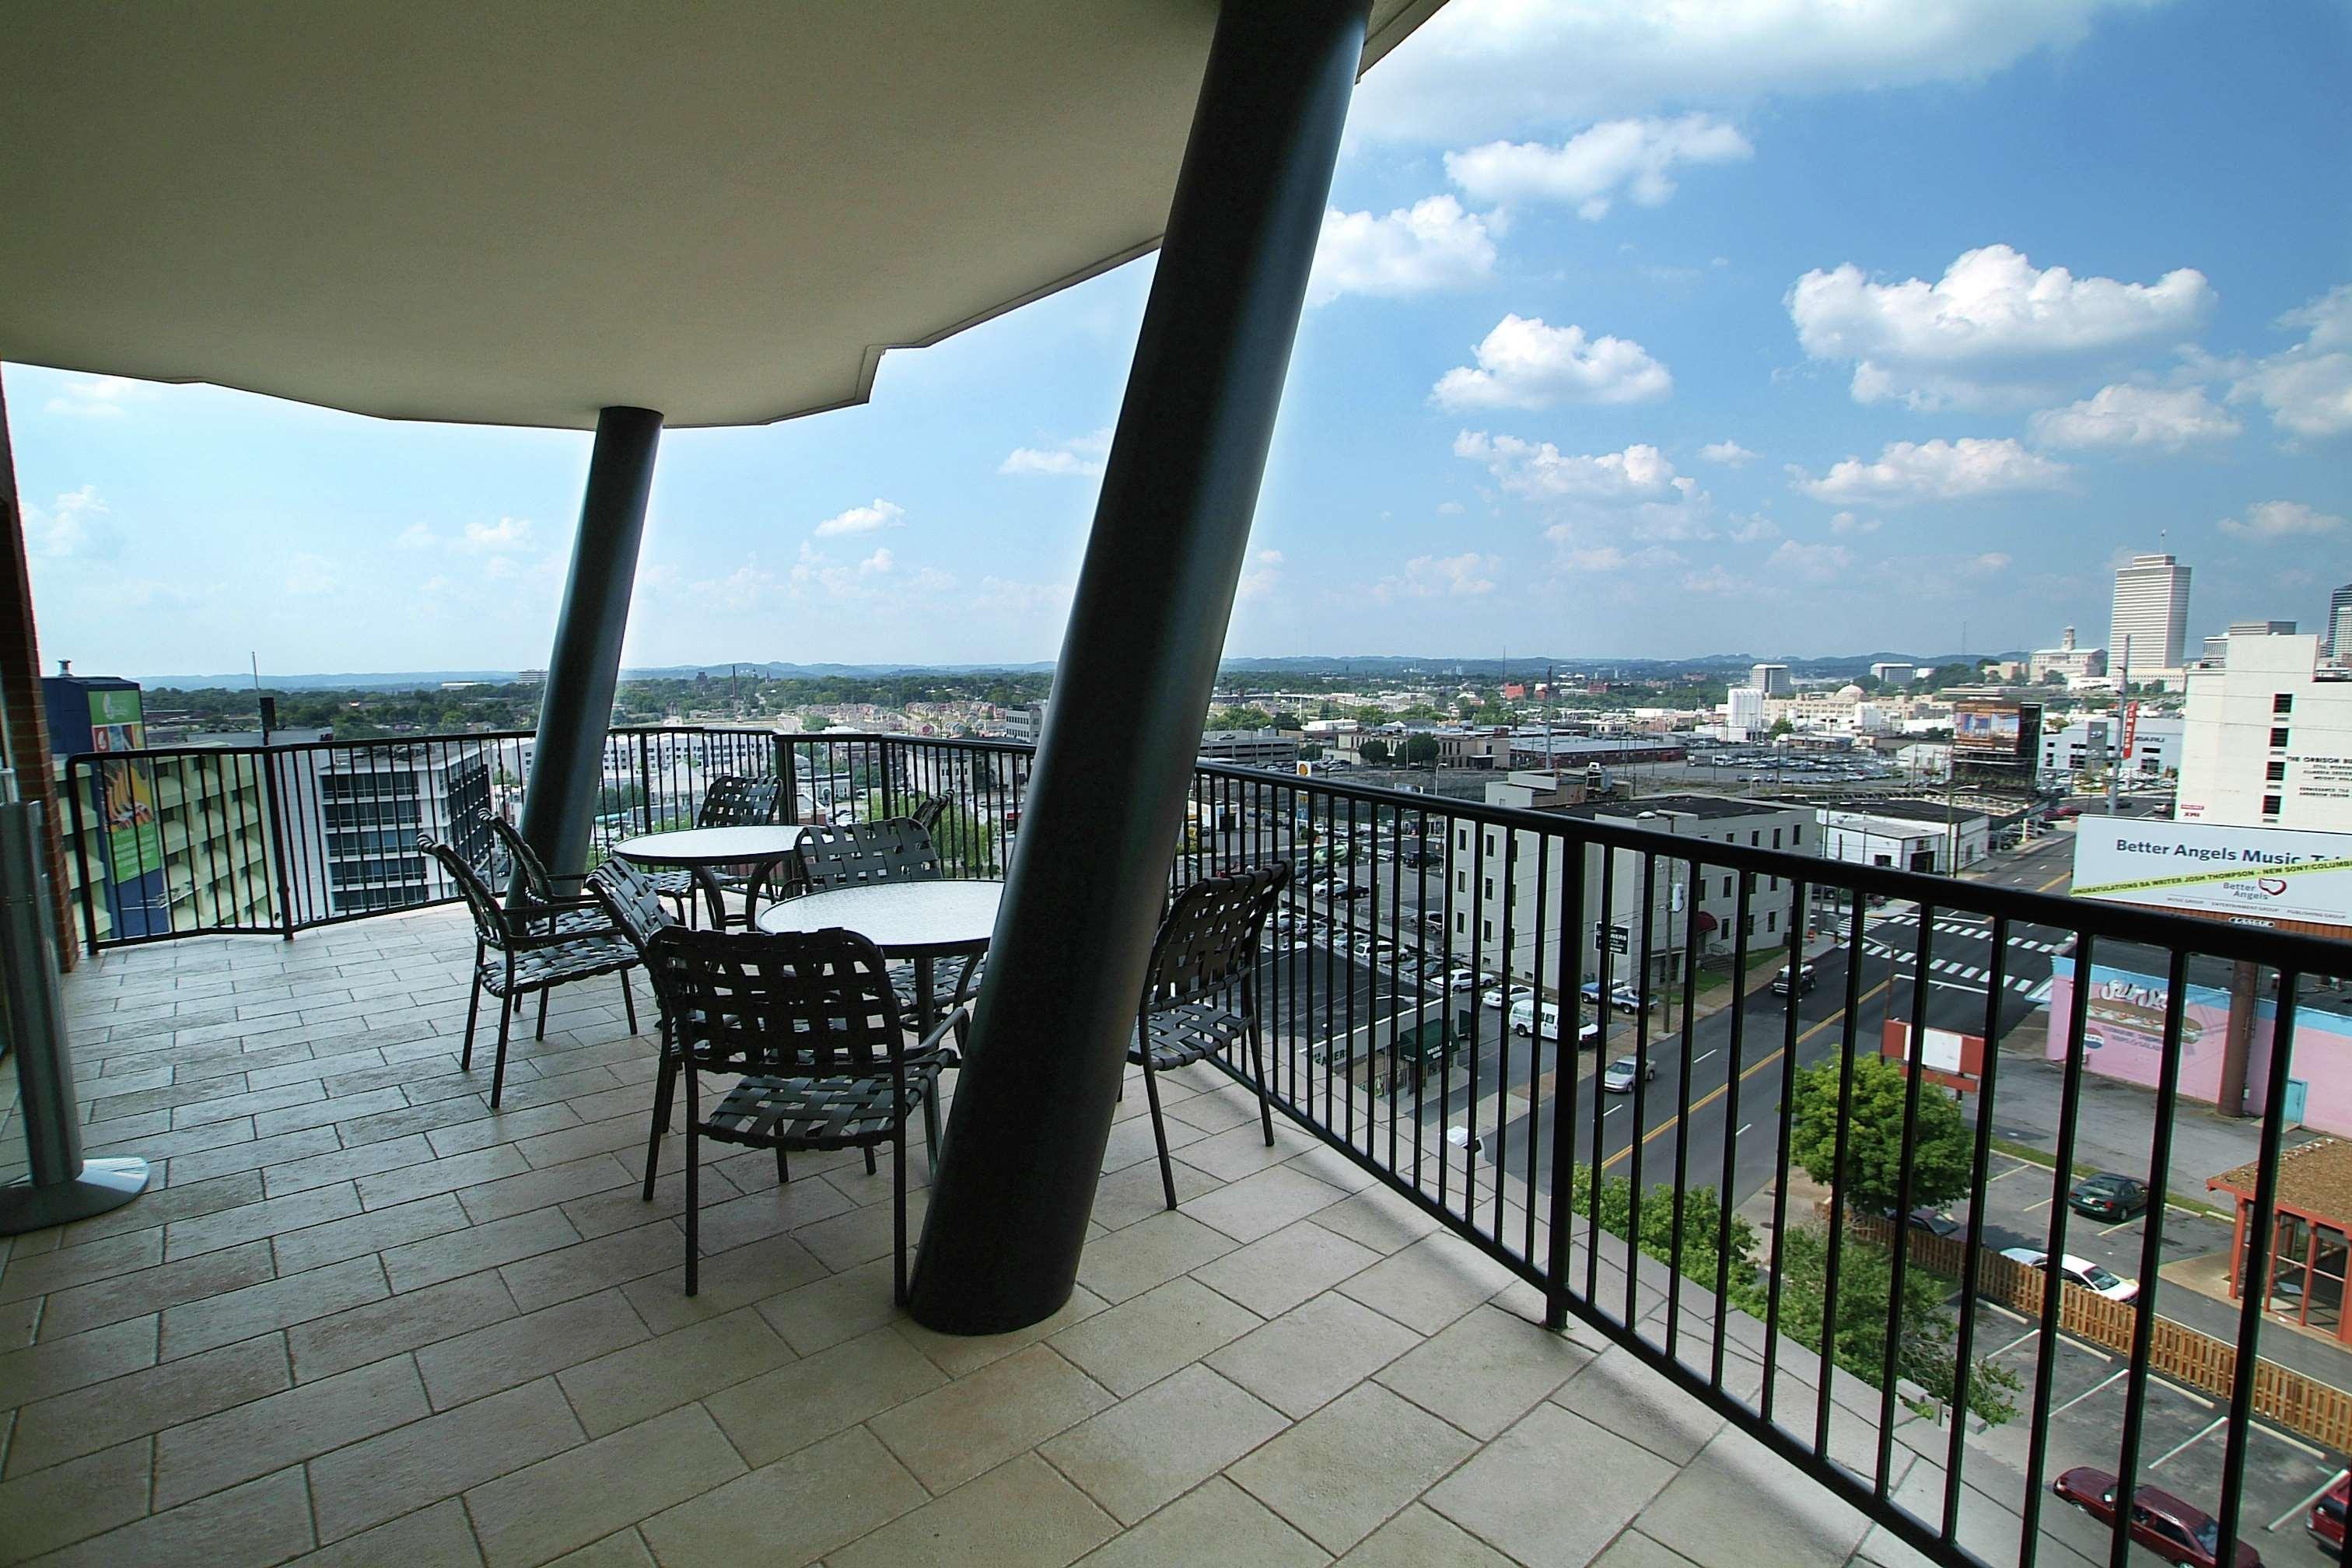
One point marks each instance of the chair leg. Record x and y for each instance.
(693, 1178)
(931, 1124)
(1159, 1127)
(869, 1158)
(897, 1209)
(629, 1000)
(473, 1009)
(541, 1032)
(498, 1069)
(664, 1091)
(1257, 1062)
(783, 1170)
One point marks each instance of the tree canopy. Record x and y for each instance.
(1873, 1136)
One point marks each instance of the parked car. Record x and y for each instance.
(1434, 919)
(1618, 1076)
(2078, 1271)
(2326, 1521)
(1621, 996)
(1461, 980)
(1496, 996)
(1803, 980)
(2109, 1195)
(2174, 1529)
(1929, 1221)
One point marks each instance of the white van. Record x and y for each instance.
(1525, 1016)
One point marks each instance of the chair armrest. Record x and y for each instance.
(955, 1020)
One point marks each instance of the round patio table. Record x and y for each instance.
(916, 921)
(702, 851)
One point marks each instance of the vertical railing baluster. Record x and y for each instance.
(2070, 1105)
(1798, 906)
(1562, 1166)
(1743, 908)
(1834, 1253)
(1980, 1169)
(1900, 1245)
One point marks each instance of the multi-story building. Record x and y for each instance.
(1516, 900)
(1905, 835)
(353, 819)
(2088, 745)
(2336, 632)
(1771, 679)
(1250, 748)
(1897, 672)
(2071, 663)
(2152, 610)
(2268, 740)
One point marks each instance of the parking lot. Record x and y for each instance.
(2183, 1430)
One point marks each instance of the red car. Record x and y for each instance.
(2178, 1532)
(2326, 1520)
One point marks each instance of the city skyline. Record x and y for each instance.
(1842, 337)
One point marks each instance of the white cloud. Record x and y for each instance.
(1466, 576)
(1541, 471)
(1754, 530)
(507, 533)
(741, 590)
(1992, 561)
(1523, 363)
(1432, 244)
(1587, 171)
(1813, 563)
(2125, 417)
(1731, 454)
(1933, 470)
(1016, 599)
(100, 397)
(2271, 519)
(1572, 557)
(1846, 522)
(1985, 327)
(863, 520)
(416, 536)
(1080, 456)
(2308, 388)
(879, 562)
(1473, 66)
(72, 526)
(1450, 509)
(1261, 576)
(1718, 583)
(308, 574)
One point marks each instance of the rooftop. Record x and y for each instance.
(1702, 805)
(361, 1310)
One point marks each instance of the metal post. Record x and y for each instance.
(567, 765)
(1033, 1113)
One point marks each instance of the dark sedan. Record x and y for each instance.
(2177, 1530)
(2108, 1197)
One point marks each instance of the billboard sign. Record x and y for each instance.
(1996, 731)
(1944, 1056)
(2261, 874)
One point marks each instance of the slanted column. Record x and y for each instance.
(1139, 661)
(559, 805)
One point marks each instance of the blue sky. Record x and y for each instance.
(1639, 328)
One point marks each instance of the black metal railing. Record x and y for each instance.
(1810, 1107)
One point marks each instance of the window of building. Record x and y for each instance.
(2270, 805)
(1726, 886)
(2275, 772)
(1797, 834)
(1773, 884)
(1775, 838)
(1755, 840)
(1490, 887)
(2282, 703)
(1771, 922)
(1488, 928)
(2278, 736)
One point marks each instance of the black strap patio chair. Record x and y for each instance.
(515, 956)
(730, 801)
(895, 849)
(809, 1019)
(1199, 994)
(634, 904)
(543, 902)
(926, 811)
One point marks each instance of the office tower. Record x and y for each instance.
(2152, 610)
(2336, 630)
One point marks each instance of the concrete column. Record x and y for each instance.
(1106, 801)
(23, 719)
(559, 804)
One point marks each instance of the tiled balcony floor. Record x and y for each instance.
(363, 1321)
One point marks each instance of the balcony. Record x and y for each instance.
(362, 1307)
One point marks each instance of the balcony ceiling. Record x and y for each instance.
(516, 213)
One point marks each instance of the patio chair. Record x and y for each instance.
(1199, 994)
(634, 905)
(896, 849)
(513, 958)
(730, 801)
(809, 1019)
(927, 810)
(568, 914)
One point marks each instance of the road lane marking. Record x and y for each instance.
(2121, 1372)
(2201, 1435)
(1743, 1129)
(2290, 1442)
(2305, 1504)
(1703, 1056)
(2124, 1225)
(2013, 1343)
(2056, 880)
(1720, 1089)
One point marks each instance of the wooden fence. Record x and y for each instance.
(2318, 1411)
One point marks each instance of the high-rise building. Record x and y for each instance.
(1771, 679)
(2266, 736)
(2152, 610)
(2336, 631)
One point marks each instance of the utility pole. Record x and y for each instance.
(2116, 729)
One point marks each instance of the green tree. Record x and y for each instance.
(1310, 753)
(1925, 1353)
(1653, 1227)
(1374, 752)
(1780, 727)
(1873, 1136)
(964, 842)
(1419, 751)
(812, 723)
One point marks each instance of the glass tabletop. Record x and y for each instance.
(710, 846)
(902, 918)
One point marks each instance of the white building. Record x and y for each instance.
(2335, 633)
(2152, 610)
(1771, 679)
(357, 816)
(1894, 673)
(1906, 835)
(1511, 915)
(2268, 739)
(2072, 663)
(1250, 748)
(1743, 714)
(2087, 745)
